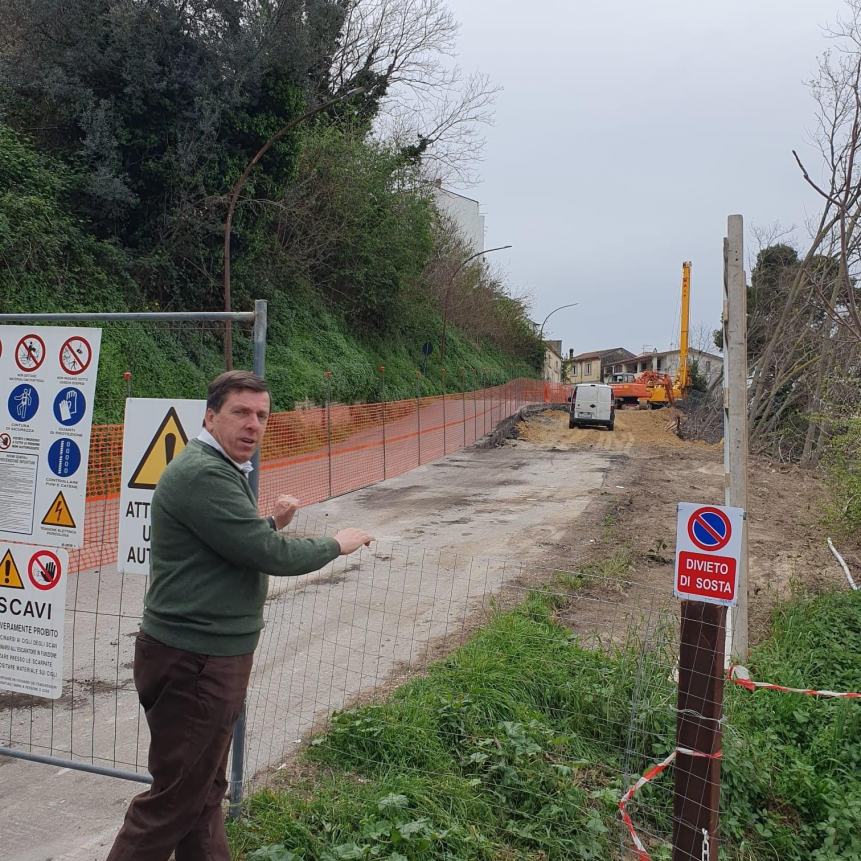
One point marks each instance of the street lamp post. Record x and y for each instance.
(541, 330)
(448, 292)
(233, 200)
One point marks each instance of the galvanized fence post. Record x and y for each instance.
(474, 408)
(237, 756)
(463, 404)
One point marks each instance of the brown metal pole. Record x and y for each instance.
(418, 420)
(383, 399)
(442, 373)
(463, 404)
(700, 706)
(328, 375)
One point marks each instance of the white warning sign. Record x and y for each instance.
(48, 381)
(156, 430)
(32, 619)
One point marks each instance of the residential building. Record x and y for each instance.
(464, 212)
(709, 365)
(553, 361)
(595, 366)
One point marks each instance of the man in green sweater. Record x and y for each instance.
(210, 555)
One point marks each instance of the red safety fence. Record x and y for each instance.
(318, 453)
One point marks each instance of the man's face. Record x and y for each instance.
(239, 424)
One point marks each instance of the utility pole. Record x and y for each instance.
(735, 417)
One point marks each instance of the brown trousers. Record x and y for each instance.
(191, 703)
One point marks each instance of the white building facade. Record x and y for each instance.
(464, 212)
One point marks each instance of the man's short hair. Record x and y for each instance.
(233, 381)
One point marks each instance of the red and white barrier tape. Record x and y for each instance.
(650, 775)
(740, 676)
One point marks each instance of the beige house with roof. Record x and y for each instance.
(594, 367)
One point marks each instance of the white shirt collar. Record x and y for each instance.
(208, 439)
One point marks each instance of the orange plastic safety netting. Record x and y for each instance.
(318, 453)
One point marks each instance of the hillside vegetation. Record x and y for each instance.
(124, 129)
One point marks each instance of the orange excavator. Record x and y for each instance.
(643, 390)
(652, 389)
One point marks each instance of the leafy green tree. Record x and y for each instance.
(157, 106)
(45, 254)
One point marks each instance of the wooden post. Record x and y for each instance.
(735, 417)
(696, 799)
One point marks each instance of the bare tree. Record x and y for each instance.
(429, 109)
(399, 40)
(443, 132)
(835, 89)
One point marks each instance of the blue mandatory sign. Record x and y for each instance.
(69, 406)
(23, 402)
(64, 457)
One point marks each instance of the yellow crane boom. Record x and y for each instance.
(662, 390)
(682, 380)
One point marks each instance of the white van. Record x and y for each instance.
(592, 405)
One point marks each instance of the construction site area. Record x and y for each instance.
(458, 540)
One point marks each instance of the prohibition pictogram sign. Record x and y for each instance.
(709, 529)
(30, 353)
(44, 570)
(75, 355)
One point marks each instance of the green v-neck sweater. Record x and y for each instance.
(210, 555)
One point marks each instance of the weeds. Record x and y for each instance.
(515, 746)
(613, 571)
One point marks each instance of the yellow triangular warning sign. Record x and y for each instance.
(59, 514)
(168, 442)
(9, 576)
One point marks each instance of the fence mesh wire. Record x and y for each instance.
(361, 639)
(340, 640)
(311, 453)
(323, 451)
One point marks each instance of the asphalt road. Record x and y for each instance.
(449, 534)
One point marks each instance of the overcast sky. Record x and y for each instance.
(625, 134)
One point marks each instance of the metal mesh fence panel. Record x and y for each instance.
(359, 639)
(97, 720)
(313, 454)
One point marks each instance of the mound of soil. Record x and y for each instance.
(657, 470)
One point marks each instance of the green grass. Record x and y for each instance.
(303, 343)
(515, 747)
(792, 774)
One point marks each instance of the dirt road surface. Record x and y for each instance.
(329, 636)
(450, 535)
